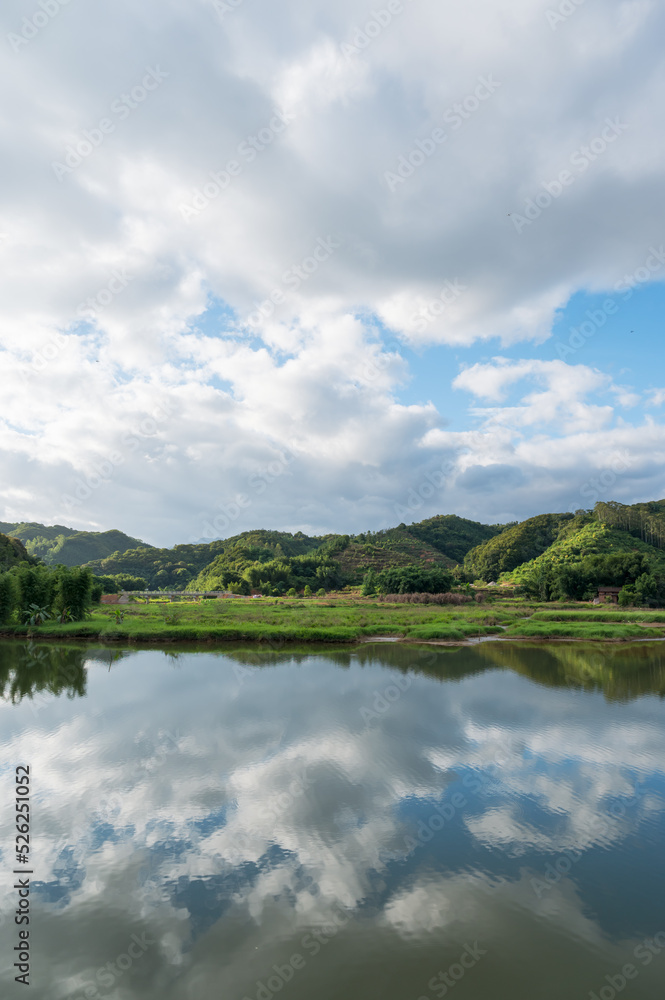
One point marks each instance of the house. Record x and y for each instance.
(609, 594)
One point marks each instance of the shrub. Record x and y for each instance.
(36, 585)
(414, 580)
(426, 598)
(8, 597)
(73, 592)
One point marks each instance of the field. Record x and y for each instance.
(349, 619)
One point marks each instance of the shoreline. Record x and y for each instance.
(279, 644)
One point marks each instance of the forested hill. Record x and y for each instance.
(58, 544)
(262, 557)
(514, 546)
(12, 553)
(558, 556)
(612, 544)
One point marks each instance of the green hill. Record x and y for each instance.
(160, 568)
(548, 555)
(514, 546)
(262, 556)
(645, 521)
(58, 544)
(385, 549)
(12, 553)
(591, 540)
(454, 536)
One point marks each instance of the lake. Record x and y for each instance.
(380, 821)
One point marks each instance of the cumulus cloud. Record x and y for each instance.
(242, 799)
(234, 215)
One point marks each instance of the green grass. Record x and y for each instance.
(342, 619)
(600, 616)
(580, 630)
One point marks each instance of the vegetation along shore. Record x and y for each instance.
(446, 579)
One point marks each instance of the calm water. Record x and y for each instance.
(383, 822)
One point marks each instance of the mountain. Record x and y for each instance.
(594, 540)
(454, 536)
(568, 556)
(12, 553)
(58, 544)
(514, 546)
(613, 544)
(328, 560)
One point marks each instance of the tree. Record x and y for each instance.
(8, 597)
(368, 588)
(308, 591)
(73, 592)
(415, 580)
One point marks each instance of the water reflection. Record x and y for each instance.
(372, 810)
(28, 669)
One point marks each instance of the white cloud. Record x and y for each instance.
(240, 390)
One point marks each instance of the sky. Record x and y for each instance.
(267, 783)
(323, 267)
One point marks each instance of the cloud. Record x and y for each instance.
(178, 256)
(204, 811)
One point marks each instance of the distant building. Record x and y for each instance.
(609, 594)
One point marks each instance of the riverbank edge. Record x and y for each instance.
(116, 640)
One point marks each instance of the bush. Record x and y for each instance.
(73, 592)
(426, 598)
(36, 585)
(415, 580)
(8, 597)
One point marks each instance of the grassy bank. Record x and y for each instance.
(348, 620)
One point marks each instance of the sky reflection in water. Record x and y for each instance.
(222, 809)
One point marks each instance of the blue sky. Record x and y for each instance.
(288, 266)
(628, 346)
